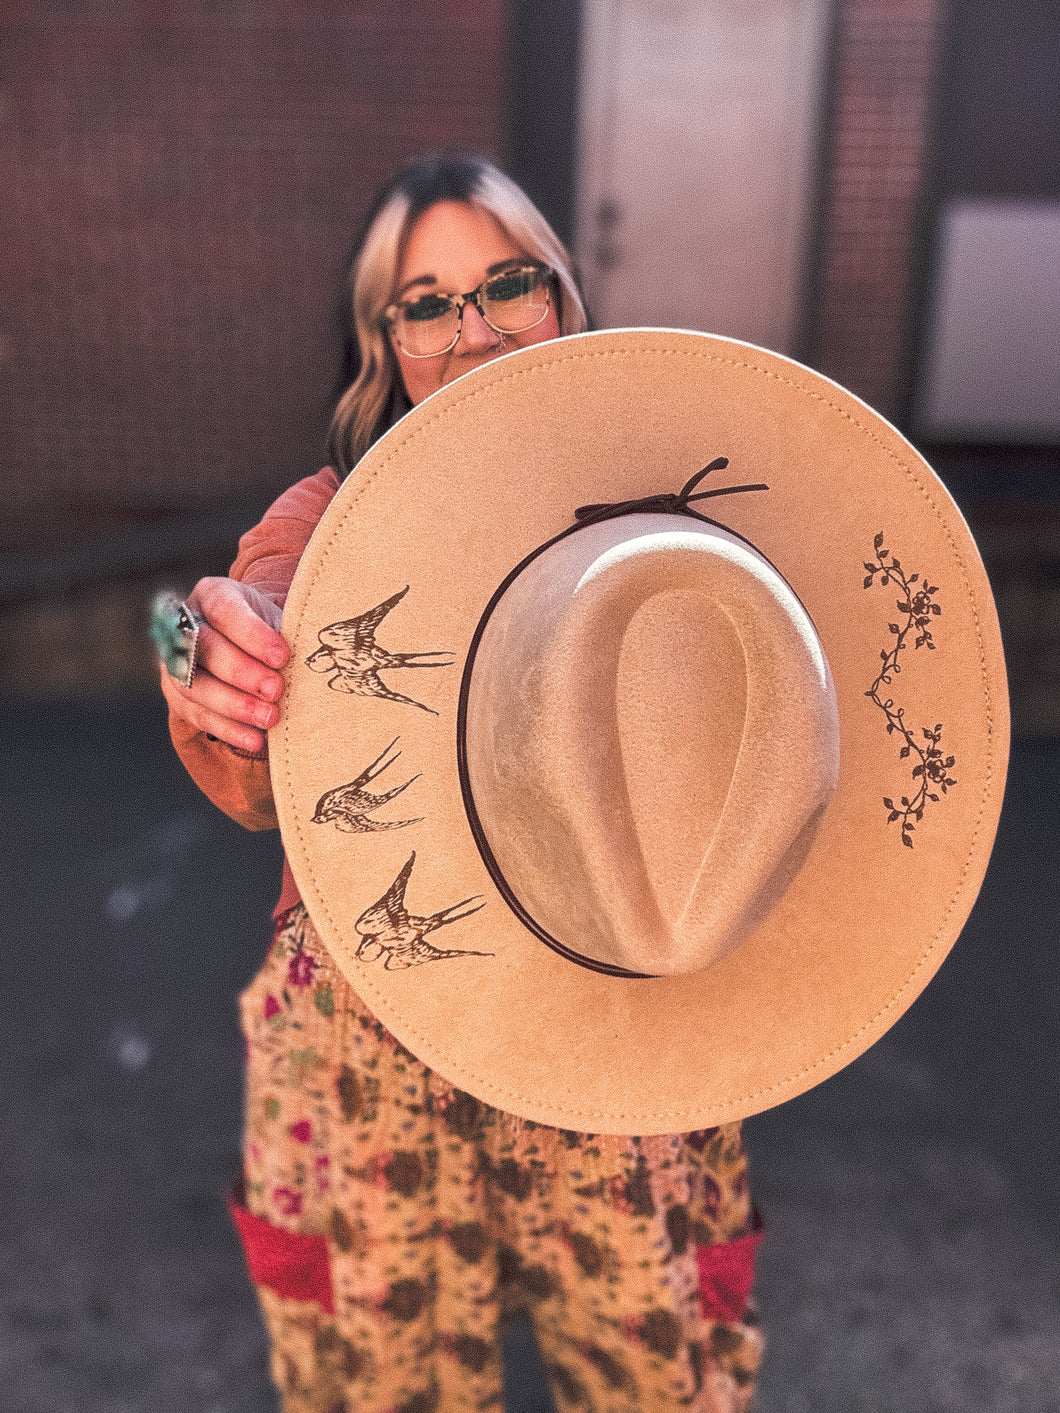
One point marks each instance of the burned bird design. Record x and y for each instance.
(349, 650)
(348, 806)
(389, 932)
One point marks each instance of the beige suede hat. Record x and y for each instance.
(639, 821)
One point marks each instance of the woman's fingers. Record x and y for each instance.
(219, 710)
(244, 616)
(237, 685)
(222, 659)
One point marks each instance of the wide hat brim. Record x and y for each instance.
(447, 503)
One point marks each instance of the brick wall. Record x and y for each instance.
(183, 183)
(885, 75)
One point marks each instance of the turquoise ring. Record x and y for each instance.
(175, 632)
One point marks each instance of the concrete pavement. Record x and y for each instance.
(913, 1262)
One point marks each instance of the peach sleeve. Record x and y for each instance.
(236, 782)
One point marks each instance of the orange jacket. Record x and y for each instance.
(235, 781)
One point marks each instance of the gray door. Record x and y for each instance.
(697, 137)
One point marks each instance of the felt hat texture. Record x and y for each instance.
(641, 821)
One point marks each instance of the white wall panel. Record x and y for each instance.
(992, 354)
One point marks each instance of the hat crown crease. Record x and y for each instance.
(546, 760)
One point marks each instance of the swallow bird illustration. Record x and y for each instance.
(348, 806)
(389, 932)
(349, 651)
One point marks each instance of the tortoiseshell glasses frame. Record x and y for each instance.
(504, 300)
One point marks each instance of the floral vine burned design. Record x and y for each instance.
(349, 650)
(932, 768)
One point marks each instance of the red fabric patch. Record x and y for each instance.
(726, 1275)
(293, 1266)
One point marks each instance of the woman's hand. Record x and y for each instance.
(237, 683)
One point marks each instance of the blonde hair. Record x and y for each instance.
(376, 392)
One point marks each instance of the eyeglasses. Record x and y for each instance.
(510, 302)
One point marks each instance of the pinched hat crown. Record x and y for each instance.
(649, 735)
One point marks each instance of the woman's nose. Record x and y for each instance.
(476, 336)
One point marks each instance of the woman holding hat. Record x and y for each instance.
(391, 1220)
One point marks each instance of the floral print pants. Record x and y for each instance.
(392, 1223)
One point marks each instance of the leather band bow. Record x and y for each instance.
(666, 504)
